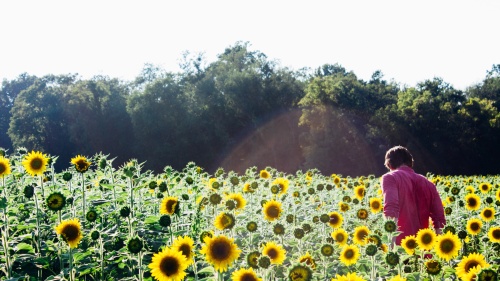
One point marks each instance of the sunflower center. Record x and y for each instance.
(272, 253)
(273, 212)
(487, 213)
(297, 275)
(361, 192)
(470, 264)
(36, 163)
(496, 233)
(247, 277)
(2, 168)
(472, 202)
(221, 250)
(376, 205)
(475, 226)
(411, 244)
(361, 234)
(334, 219)
(171, 205)
(447, 246)
(70, 232)
(185, 250)
(426, 239)
(81, 165)
(169, 266)
(349, 254)
(339, 237)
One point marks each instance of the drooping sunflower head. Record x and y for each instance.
(392, 258)
(81, 163)
(272, 210)
(308, 260)
(362, 214)
(220, 251)
(275, 252)
(359, 192)
(185, 245)
(485, 187)
(169, 205)
(282, 183)
(375, 239)
(253, 259)
(375, 205)
(371, 250)
(244, 274)
(474, 226)
(487, 274)
(349, 254)
(433, 267)
(252, 226)
(35, 163)
(409, 243)
(91, 215)
(4, 166)
(238, 198)
(224, 221)
(447, 246)
(360, 235)
(426, 238)
(390, 226)
(135, 245)
(327, 250)
(469, 262)
(56, 201)
(168, 265)
(279, 229)
(494, 234)
(214, 198)
(488, 214)
(300, 273)
(472, 202)
(336, 219)
(340, 236)
(70, 231)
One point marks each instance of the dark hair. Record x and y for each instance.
(397, 156)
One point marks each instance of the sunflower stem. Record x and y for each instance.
(83, 198)
(101, 252)
(140, 265)
(131, 196)
(5, 244)
(71, 277)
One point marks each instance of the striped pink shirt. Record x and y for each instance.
(412, 200)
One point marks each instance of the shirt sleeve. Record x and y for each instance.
(391, 196)
(437, 210)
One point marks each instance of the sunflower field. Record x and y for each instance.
(96, 221)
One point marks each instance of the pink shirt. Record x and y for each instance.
(412, 200)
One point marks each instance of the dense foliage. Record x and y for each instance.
(245, 110)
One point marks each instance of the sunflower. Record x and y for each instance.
(487, 274)
(327, 250)
(336, 219)
(359, 192)
(252, 226)
(224, 221)
(238, 198)
(56, 201)
(245, 275)
(185, 245)
(467, 263)
(279, 229)
(308, 260)
(300, 273)
(488, 214)
(390, 226)
(220, 251)
(472, 202)
(433, 267)
(169, 205)
(497, 195)
(247, 188)
(349, 254)
(409, 243)
(282, 183)
(70, 231)
(35, 163)
(81, 163)
(344, 207)
(272, 210)
(375, 205)
(470, 189)
(362, 214)
(135, 245)
(168, 265)
(340, 236)
(494, 234)
(426, 238)
(397, 278)
(447, 246)
(275, 252)
(360, 235)
(474, 226)
(264, 174)
(484, 187)
(214, 199)
(253, 259)
(4, 166)
(348, 277)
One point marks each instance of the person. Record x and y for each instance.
(409, 198)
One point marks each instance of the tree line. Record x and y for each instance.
(245, 110)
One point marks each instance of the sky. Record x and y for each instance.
(409, 41)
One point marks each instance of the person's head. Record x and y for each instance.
(397, 156)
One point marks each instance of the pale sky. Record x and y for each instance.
(409, 41)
